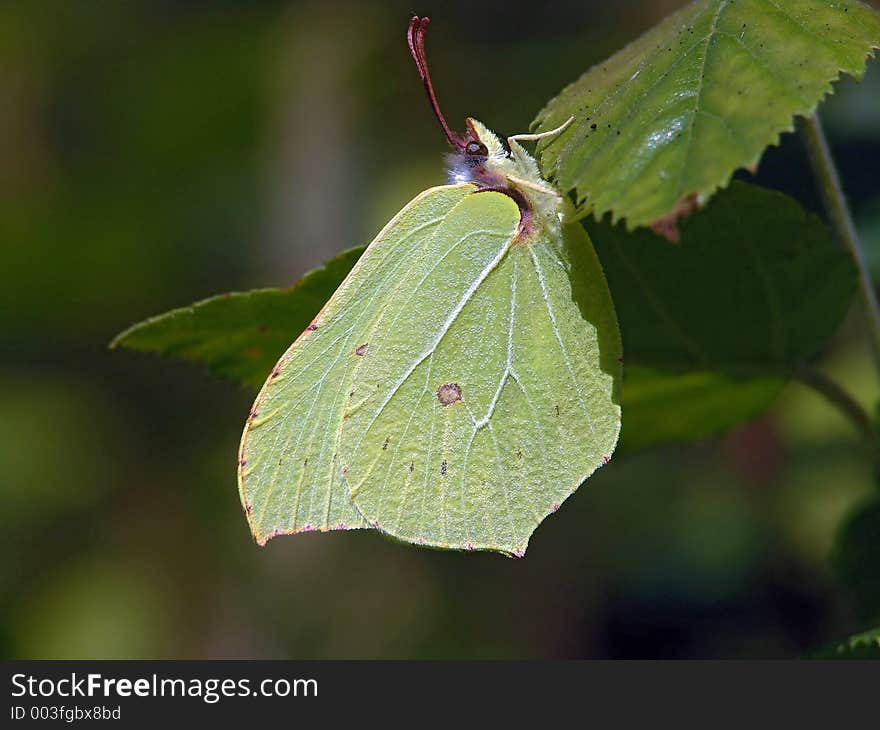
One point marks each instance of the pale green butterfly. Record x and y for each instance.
(460, 383)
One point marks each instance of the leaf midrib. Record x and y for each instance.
(688, 146)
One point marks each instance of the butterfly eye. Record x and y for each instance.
(476, 148)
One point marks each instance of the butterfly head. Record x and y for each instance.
(479, 155)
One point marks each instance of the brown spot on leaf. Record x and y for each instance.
(667, 226)
(312, 327)
(606, 459)
(443, 468)
(449, 393)
(362, 350)
(276, 371)
(385, 445)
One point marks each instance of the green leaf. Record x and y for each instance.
(756, 286)
(856, 559)
(713, 327)
(663, 407)
(240, 335)
(460, 384)
(703, 93)
(865, 645)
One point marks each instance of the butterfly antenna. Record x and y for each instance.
(415, 37)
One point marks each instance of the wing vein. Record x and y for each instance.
(558, 336)
(450, 320)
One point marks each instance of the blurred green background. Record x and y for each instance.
(153, 153)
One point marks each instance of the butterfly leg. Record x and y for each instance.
(531, 185)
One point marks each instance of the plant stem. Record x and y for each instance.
(843, 401)
(841, 220)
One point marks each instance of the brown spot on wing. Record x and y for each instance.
(449, 393)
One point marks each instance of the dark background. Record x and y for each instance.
(154, 153)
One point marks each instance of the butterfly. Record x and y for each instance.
(461, 382)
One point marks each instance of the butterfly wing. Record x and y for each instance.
(289, 478)
(489, 390)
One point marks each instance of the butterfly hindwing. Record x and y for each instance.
(488, 391)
